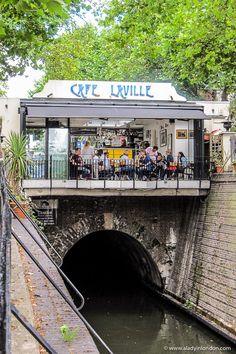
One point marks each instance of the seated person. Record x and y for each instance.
(96, 163)
(87, 154)
(160, 166)
(152, 152)
(170, 167)
(104, 166)
(145, 165)
(182, 164)
(77, 168)
(125, 165)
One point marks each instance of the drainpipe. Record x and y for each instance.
(198, 149)
(23, 114)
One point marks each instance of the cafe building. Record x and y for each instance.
(113, 116)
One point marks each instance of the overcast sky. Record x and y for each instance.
(19, 86)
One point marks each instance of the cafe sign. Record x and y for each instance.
(110, 90)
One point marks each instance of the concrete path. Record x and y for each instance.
(21, 339)
(50, 311)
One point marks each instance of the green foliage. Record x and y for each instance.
(25, 27)
(75, 56)
(232, 107)
(68, 334)
(191, 43)
(232, 112)
(31, 212)
(15, 158)
(189, 304)
(198, 42)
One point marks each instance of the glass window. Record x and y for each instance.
(36, 152)
(58, 152)
(36, 143)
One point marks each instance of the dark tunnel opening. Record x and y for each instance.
(110, 261)
(114, 272)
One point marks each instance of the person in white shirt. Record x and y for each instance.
(152, 152)
(88, 151)
(87, 154)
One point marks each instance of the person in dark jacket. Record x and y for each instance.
(76, 164)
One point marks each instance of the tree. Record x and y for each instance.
(198, 43)
(74, 56)
(191, 43)
(25, 26)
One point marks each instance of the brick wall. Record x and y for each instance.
(212, 281)
(163, 226)
(191, 240)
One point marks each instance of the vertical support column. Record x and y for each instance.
(69, 148)
(23, 114)
(198, 149)
(47, 157)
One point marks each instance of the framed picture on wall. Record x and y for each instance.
(163, 137)
(169, 142)
(181, 134)
(190, 134)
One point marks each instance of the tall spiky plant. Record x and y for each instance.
(15, 158)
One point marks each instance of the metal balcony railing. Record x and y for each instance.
(117, 169)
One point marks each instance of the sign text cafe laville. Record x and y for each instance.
(110, 90)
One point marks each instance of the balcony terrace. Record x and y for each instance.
(54, 178)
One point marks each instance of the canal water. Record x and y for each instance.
(133, 321)
(129, 318)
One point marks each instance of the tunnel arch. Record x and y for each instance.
(111, 256)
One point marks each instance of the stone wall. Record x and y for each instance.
(191, 240)
(163, 226)
(212, 282)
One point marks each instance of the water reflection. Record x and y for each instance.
(136, 322)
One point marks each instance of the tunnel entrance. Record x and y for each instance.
(110, 269)
(112, 260)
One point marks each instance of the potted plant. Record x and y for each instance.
(217, 161)
(219, 169)
(15, 157)
(234, 165)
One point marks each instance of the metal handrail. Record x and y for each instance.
(69, 302)
(5, 260)
(53, 262)
(32, 330)
(41, 234)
